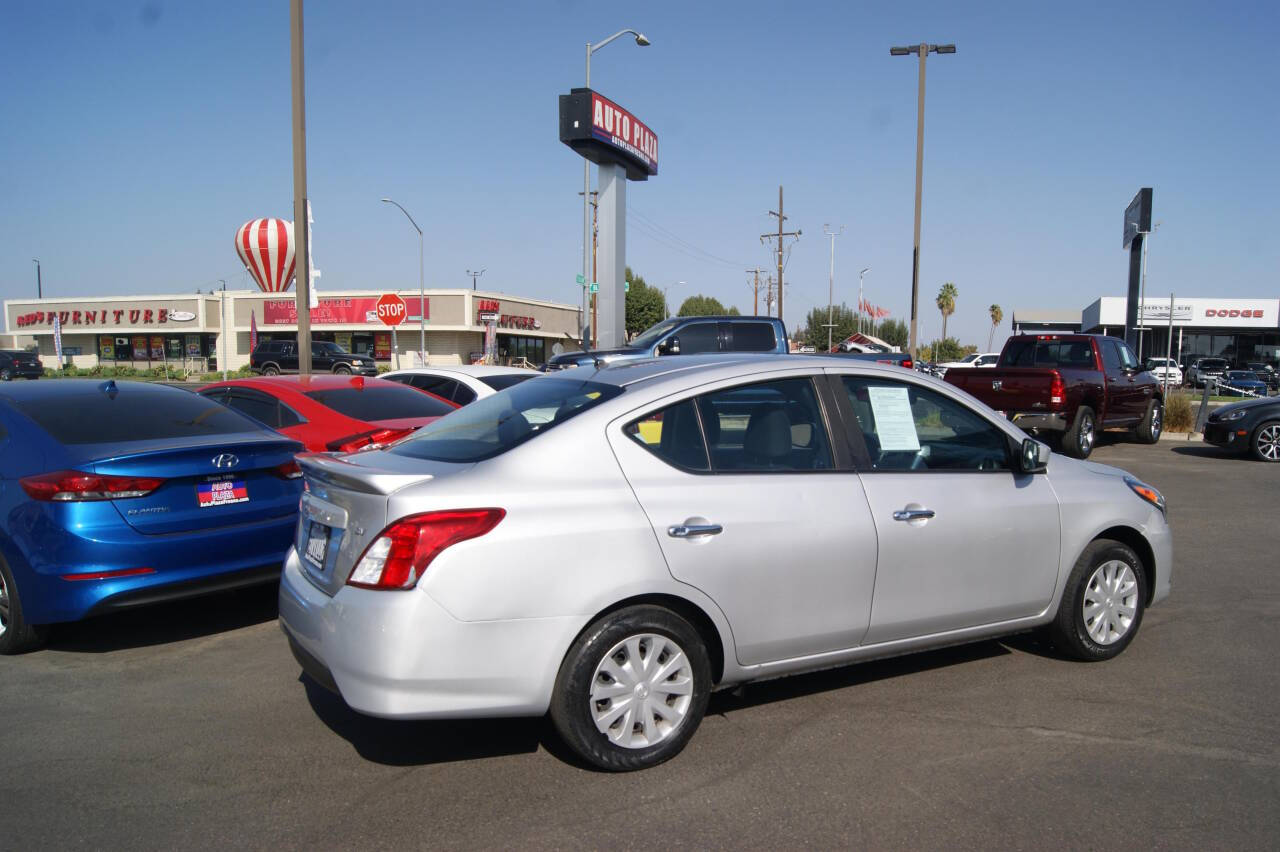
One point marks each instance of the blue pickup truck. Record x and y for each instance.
(688, 336)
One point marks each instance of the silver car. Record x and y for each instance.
(668, 527)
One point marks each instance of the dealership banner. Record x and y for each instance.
(358, 310)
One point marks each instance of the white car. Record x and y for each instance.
(461, 384)
(984, 359)
(1159, 367)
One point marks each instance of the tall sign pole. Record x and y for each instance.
(1137, 225)
(302, 275)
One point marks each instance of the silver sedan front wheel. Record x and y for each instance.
(1110, 602)
(641, 691)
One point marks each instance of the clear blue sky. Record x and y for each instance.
(137, 137)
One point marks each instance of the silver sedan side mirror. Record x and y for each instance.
(1031, 459)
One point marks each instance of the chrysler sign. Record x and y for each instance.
(603, 132)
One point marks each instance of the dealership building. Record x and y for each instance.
(1238, 330)
(200, 330)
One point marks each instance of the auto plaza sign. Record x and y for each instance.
(603, 132)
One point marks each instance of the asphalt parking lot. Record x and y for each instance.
(189, 726)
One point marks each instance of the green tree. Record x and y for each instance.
(701, 306)
(947, 349)
(814, 331)
(997, 315)
(946, 303)
(645, 305)
(894, 332)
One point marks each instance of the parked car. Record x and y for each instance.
(1203, 369)
(897, 359)
(684, 525)
(274, 357)
(120, 494)
(1241, 383)
(1069, 386)
(331, 413)
(1266, 373)
(687, 336)
(1162, 368)
(19, 364)
(984, 359)
(461, 384)
(1247, 427)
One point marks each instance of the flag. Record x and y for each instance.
(57, 338)
(253, 332)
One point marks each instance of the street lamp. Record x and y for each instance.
(422, 288)
(222, 331)
(474, 276)
(922, 50)
(831, 281)
(586, 177)
(666, 308)
(39, 287)
(1142, 291)
(860, 277)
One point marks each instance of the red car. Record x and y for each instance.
(332, 412)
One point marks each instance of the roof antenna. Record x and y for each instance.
(109, 388)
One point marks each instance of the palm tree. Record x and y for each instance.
(946, 302)
(997, 316)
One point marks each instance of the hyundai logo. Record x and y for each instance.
(996, 385)
(226, 460)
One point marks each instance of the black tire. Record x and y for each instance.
(1070, 632)
(16, 635)
(1152, 424)
(1266, 441)
(271, 370)
(572, 705)
(1078, 441)
(342, 369)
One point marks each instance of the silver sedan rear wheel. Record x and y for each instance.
(1110, 602)
(641, 691)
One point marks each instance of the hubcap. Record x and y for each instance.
(1110, 602)
(1086, 435)
(4, 606)
(641, 691)
(1269, 443)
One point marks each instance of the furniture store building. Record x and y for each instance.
(199, 331)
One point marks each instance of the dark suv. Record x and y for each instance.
(273, 357)
(688, 336)
(19, 364)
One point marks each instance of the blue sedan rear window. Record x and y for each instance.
(134, 413)
(493, 425)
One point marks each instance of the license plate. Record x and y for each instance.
(223, 493)
(317, 545)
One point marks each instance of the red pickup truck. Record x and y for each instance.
(1070, 385)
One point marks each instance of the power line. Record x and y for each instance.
(645, 220)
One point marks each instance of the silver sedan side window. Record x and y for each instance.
(673, 435)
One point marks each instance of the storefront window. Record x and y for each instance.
(512, 348)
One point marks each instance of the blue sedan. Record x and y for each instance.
(1241, 383)
(114, 495)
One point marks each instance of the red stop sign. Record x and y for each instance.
(391, 309)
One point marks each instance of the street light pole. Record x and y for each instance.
(422, 288)
(222, 328)
(474, 276)
(860, 277)
(922, 50)
(1142, 290)
(586, 184)
(831, 280)
(666, 308)
(39, 286)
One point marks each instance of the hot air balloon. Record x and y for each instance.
(265, 247)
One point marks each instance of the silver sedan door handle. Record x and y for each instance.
(913, 514)
(692, 530)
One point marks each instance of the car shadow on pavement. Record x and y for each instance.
(1212, 452)
(855, 674)
(414, 742)
(159, 624)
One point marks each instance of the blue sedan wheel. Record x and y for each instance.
(16, 636)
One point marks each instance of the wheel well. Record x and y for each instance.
(691, 613)
(1135, 540)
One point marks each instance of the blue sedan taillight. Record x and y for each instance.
(66, 486)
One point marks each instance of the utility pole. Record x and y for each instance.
(831, 281)
(302, 277)
(755, 290)
(39, 286)
(922, 50)
(595, 248)
(474, 276)
(779, 236)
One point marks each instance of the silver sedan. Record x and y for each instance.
(610, 545)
